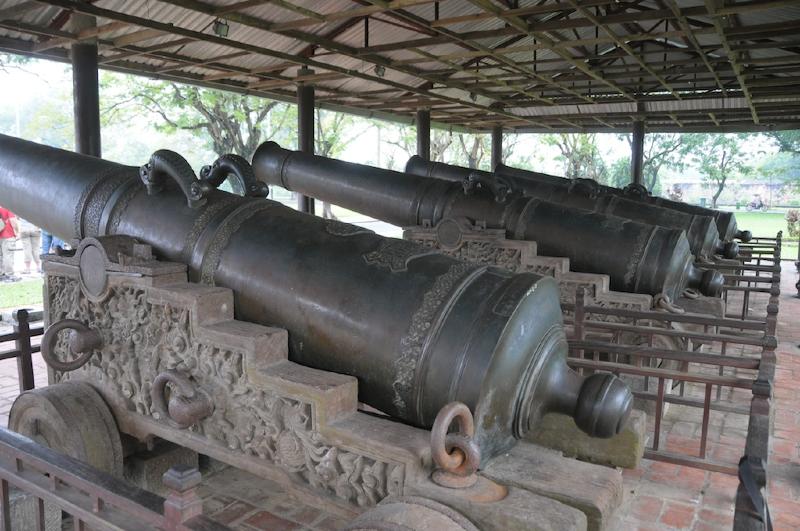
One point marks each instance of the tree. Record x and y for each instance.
(472, 149)
(402, 137)
(330, 141)
(661, 151)
(580, 154)
(440, 143)
(10, 61)
(510, 157)
(619, 174)
(720, 158)
(787, 141)
(232, 123)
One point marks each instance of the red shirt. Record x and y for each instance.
(8, 230)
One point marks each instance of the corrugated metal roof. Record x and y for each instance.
(503, 87)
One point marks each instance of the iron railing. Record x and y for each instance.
(93, 498)
(22, 336)
(705, 366)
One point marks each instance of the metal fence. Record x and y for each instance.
(86, 495)
(22, 336)
(91, 498)
(715, 371)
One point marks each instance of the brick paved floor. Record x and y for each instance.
(664, 496)
(658, 496)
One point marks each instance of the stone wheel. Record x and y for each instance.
(71, 418)
(411, 513)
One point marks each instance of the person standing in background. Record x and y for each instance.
(8, 236)
(49, 242)
(31, 238)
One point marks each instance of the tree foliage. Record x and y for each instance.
(720, 158)
(580, 154)
(787, 141)
(228, 122)
(330, 130)
(661, 151)
(10, 61)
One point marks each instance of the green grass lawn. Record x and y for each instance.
(767, 225)
(23, 294)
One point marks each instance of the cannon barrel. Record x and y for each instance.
(638, 258)
(725, 221)
(417, 329)
(701, 230)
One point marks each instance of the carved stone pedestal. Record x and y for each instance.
(175, 365)
(146, 469)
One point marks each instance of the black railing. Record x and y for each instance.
(93, 498)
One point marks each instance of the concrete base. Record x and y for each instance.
(145, 469)
(520, 510)
(23, 513)
(594, 490)
(625, 449)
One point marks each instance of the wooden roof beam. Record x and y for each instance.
(248, 20)
(19, 9)
(625, 46)
(88, 33)
(469, 44)
(204, 62)
(357, 12)
(719, 25)
(683, 22)
(523, 26)
(331, 45)
(91, 9)
(128, 52)
(137, 36)
(272, 83)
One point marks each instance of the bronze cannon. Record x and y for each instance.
(453, 331)
(725, 221)
(638, 257)
(701, 231)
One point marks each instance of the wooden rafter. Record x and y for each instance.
(523, 26)
(566, 53)
(733, 57)
(90, 9)
(624, 45)
(691, 38)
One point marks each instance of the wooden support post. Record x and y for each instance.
(637, 152)
(23, 344)
(305, 131)
(424, 134)
(85, 91)
(182, 503)
(497, 146)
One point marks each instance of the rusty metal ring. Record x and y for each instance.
(450, 460)
(470, 453)
(83, 340)
(191, 406)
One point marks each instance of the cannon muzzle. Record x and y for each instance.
(638, 257)
(416, 328)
